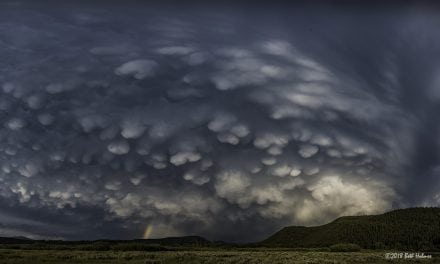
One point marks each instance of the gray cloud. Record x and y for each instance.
(213, 123)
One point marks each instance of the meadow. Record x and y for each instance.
(245, 256)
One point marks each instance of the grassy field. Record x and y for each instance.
(8, 256)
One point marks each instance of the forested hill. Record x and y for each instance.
(406, 229)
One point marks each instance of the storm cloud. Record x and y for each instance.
(228, 122)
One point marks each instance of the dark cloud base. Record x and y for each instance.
(226, 122)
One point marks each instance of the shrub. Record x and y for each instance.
(345, 247)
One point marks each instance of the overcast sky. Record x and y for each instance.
(133, 120)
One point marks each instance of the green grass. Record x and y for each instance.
(8, 256)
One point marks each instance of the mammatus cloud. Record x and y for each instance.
(116, 122)
(139, 69)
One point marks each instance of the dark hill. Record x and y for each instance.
(410, 229)
(15, 240)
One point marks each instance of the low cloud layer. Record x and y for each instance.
(228, 123)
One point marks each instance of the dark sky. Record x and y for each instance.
(227, 121)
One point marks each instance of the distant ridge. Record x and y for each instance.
(184, 241)
(411, 229)
(177, 241)
(15, 240)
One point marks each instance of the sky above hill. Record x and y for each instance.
(130, 120)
